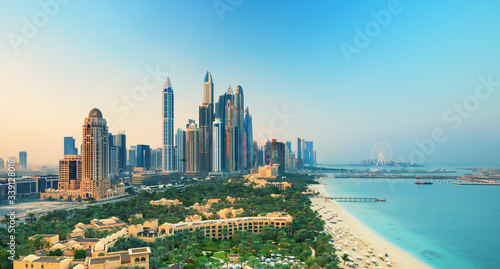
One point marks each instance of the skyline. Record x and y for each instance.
(397, 90)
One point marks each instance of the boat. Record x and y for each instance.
(423, 183)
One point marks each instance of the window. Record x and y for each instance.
(137, 260)
(143, 259)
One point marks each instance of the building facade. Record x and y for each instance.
(168, 126)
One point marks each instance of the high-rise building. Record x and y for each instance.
(289, 147)
(314, 158)
(153, 159)
(248, 139)
(268, 151)
(217, 149)
(120, 142)
(299, 162)
(70, 173)
(143, 157)
(95, 147)
(132, 156)
(278, 155)
(192, 148)
(23, 160)
(206, 118)
(309, 153)
(69, 146)
(260, 157)
(256, 159)
(113, 161)
(220, 112)
(230, 135)
(239, 106)
(168, 126)
(2, 164)
(205, 139)
(180, 150)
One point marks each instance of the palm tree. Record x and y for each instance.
(241, 260)
(226, 261)
(30, 219)
(345, 257)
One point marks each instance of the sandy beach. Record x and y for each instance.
(360, 242)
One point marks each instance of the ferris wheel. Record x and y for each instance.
(381, 150)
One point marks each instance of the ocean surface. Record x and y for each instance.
(444, 225)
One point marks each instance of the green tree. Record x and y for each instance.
(79, 254)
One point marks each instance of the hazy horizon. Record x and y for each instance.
(430, 72)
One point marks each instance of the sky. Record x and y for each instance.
(422, 76)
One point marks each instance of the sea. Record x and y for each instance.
(444, 225)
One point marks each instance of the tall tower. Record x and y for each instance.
(248, 139)
(120, 142)
(23, 160)
(239, 106)
(69, 146)
(217, 149)
(230, 135)
(206, 118)
(168, 126)
(180, 143)
(95, 147)
(192, 148)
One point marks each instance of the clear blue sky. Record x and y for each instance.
(286, 55)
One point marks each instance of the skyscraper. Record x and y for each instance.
(217, 149)
(69, 146)
(192, 148)
(70, 173)
(299, 162)
(132, 156)
(220, 112)
(120, 142)
(230, 135)
(239, 106)
(168, 126)
(113, 158)
(143, 157)
(206, 118)
(95, 166)
(180, 150)
(248, 139)
(23, 160)
(205, 139)
(268, 151)
(278, 155)
(1, 164)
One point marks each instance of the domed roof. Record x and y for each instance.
(78, 246)
(109, 238)
(76, 230)
(79, 266)
(239, 89)
(109, 221)
(99, 246)
(114, 218)
(79, 224)
(71, 242)
(30, 258)
(95, 113)
(103, 241)
(56, 246)
(114, 236)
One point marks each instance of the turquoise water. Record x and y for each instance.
(443, 225)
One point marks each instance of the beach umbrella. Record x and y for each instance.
(345, 251)
(379, 267)
(367, 261)
(350, 258)
(373, 260)
(386, 259)
(367, 254)
(359, 257)
(380, 255)
(345, 243)
(389, 263)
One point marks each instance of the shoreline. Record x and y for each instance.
(360, 238)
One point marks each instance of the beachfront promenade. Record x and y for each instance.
(352, 199)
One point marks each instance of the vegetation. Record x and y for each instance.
(192, 249)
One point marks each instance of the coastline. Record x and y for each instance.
(361, 237)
